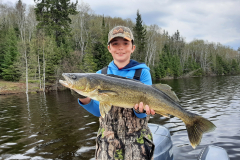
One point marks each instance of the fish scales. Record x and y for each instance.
(146, 94)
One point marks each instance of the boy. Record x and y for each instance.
(123, 132)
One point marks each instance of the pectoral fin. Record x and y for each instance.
(167, 90)
(107, 92)
(163, 114)
(104, 108)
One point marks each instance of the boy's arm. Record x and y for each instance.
(146, 79)
(92, 107)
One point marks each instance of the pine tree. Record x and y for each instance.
(53, 17)
(88, 60)
(3, 37)
(107, 58)
(139, 39)
(102, 57)
(9, 71)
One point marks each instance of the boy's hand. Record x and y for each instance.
(147, 109)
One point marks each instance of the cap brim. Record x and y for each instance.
(127, 38)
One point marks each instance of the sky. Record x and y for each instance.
(208, 20)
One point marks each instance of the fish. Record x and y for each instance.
(124, 92)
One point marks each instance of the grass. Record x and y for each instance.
(7, 87)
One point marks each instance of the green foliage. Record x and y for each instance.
(54, 56)
(198, 72)
(190, 65)
(139, 39)
(222, 67)
(169, 65)
(10, 52)
(102, 57)
(88, 59)
(52, 49)
(3, 37)
(176, 66)
(235, 69)
(53, 17)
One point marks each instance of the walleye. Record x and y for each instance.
(124, 92)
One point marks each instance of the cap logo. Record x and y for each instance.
(127, 34)
(115, 31)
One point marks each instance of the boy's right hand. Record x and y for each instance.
(83, 99)
(147, 110)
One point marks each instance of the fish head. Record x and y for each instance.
(83, 83)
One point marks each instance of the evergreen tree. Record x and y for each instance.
(139, 39)
(107, 57)
(234, 67)
(9, 71)
(219, 65)
(102, 57)
(3, 37)
(176, 66)
(88, 60)
(159, 69)
(53, 17)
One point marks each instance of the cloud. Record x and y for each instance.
(212, 21)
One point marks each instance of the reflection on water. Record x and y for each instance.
(53, 125)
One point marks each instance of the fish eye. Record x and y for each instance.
(73, 76)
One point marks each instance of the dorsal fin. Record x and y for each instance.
(167, 90)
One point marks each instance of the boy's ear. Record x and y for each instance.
(133, 48)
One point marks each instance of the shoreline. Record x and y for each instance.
(7, 87)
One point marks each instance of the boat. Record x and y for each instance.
(164, 146)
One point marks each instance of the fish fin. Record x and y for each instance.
(167, 90)
(196, 127)
(104, 108)
(107, 92)
(163, 114)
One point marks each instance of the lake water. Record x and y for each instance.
(54, 126)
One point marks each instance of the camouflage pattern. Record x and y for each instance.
(120, 31)
(122, 135)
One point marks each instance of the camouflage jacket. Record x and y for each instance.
(122, 135)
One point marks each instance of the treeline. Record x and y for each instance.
(38, 44)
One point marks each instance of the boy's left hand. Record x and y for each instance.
(147, 109)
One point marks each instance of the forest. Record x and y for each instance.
(38, 43)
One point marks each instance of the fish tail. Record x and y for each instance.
(196, 127)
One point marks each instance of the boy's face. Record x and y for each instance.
(121, 49)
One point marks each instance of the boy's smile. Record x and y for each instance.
(121, 50)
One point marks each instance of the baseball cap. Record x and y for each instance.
(120, 31)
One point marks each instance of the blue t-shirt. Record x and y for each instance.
(128, 71)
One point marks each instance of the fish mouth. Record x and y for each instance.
(64, 83)
(67, 83)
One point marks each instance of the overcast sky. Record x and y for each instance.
(209, 20)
